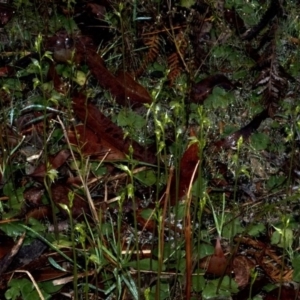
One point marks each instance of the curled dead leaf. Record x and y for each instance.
(242, 267)
(215, 264)
(218, 262)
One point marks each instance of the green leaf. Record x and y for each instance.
(230, 230)
(98, 170)
(171, 252)
(257, 298)
(131, 119)
(187, 3)
(16, 198)
(198, 282)
(145, 264)
(164, 292)
(296, 266)
(56, 265)
(52, 174)
(147, 177)
(218, 99)
(227, 287)
(205, 250)
(260, 141)
(12, 85)
(80, 78)
(49, 288)
(27, 288)
(36, 225)
(282, 237)
(24, 287)
(257, 229)
(12, 293)
(131, 285)
(147, 213)
(179, 210)
(12, 229)
(157, 67)
(275, 182)
(269, 287)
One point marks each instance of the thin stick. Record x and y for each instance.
(188, 238)
(86, 189)
(33, 282)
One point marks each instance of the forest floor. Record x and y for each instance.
(149, 149)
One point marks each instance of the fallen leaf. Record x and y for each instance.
(39, 213)
(233, 18)
(55, 162)
(90, 144)
(6, 13)
(33, 196)
(60, 195)
(188, 163)
(86, 140)
(81, 49)
(216, 263)
(108, 131)
(201, 90)
(231, 140)
(242, 267)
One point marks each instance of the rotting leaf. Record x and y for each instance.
(108, 131)
(201, 90)
(8, 258)
(133, 91)
(188, 163)
(133, 94)
(122, 86)
(267, 259)
(284, 292)
(242, 267)
(86, 140)
(245, 132)
(6, 71)
(90, 144)
(60, 195)
(54, 162)
(39, 213)
(96, 10)
(217, 262)
(6, 13)
(58, 83)
(145, 220)
(33, 196)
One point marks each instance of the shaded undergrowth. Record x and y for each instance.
(149, 150)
